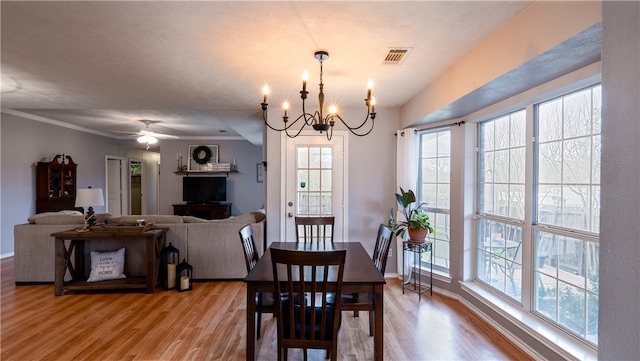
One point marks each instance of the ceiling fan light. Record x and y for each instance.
(147, 139)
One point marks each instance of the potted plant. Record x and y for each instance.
(416, 221)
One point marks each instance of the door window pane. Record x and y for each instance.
(314, 180)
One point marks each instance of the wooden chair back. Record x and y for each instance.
(249, 247)
(264, 300)
(314, 229)
(308, 310)
(381, 250)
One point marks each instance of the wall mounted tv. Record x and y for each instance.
(204, 189)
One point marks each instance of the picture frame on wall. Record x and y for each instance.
(260, 172)
(202, 157)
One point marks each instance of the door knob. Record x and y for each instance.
(290, 215)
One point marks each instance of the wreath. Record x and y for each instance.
(195, 155)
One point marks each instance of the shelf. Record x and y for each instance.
(187, 172)
(124, 283)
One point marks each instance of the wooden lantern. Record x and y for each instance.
(184, 277)
(170, 256)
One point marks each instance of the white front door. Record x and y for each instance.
(314, 173)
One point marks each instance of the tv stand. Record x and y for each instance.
(203, 210)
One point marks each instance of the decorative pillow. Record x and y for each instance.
(107, 266)
(71, 212)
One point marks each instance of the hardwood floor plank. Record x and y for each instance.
(209, 323)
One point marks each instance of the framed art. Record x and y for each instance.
(202, 157)
(260, 172)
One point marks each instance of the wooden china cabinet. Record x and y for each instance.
(56, 184)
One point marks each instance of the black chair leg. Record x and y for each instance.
(371, 318)
(258, 324)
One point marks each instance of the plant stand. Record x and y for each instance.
(417, 249)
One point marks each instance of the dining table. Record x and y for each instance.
(360, 276)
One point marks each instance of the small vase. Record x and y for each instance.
(418, 235)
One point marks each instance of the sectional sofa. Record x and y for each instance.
(212, 247)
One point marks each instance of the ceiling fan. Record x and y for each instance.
(146, 136)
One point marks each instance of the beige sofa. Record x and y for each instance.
(212, 247)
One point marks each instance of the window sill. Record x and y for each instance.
(438, 275)
(556, 340)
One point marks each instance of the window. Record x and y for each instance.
(568, 212)
(501, 202)
(562, 287)
(434, 191)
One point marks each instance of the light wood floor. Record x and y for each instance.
(208, 323)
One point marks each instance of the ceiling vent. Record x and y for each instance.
(396, 55)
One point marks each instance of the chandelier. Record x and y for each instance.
(317, 120)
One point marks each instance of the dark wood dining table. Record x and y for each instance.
(360, 276)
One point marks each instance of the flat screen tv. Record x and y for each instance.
(204, 189)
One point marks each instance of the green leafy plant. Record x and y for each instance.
(415, 216)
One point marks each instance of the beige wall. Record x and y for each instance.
(544, 25)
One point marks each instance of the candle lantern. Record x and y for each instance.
(170, 256)
(184, 277)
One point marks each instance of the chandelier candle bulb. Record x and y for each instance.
(265, 91)
(305, 77)
(285, 106)
(369, 87)
(373, 104)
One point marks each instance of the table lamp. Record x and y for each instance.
(89, 197)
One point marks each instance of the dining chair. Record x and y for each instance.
(264, 300)
(314, 229)
(364, 301)
(311, 321)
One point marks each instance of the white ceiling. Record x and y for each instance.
(198, 68)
